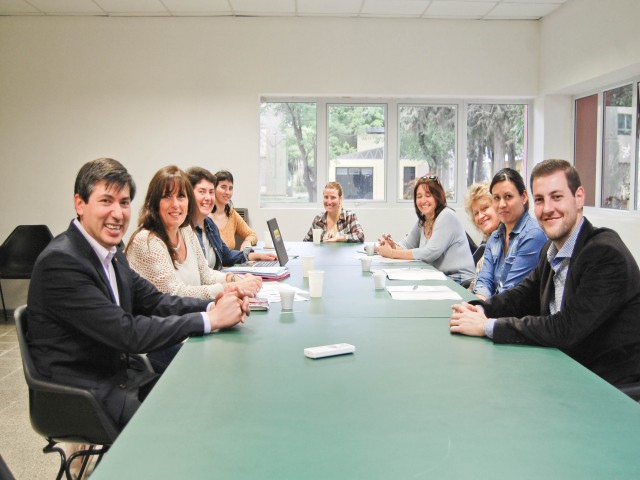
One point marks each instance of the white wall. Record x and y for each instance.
(154, 91)
(586, 45)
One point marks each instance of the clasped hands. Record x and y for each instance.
(232, 306)
(467, 319)
(246, 284)
(385, 245)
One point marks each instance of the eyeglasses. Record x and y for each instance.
(433, 178)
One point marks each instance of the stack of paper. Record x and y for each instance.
(423, 292)
(267, 273)
(414, 274)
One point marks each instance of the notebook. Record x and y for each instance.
(275, 271)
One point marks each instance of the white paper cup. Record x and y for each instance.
(366, 264)
(369, 248)
(379, 280)
(317, 235)
(316, 278)
(286, 298)
(268, 243)
(307, 264)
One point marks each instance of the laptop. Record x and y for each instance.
(267, 268)
(278, 242)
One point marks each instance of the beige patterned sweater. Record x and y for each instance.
(148, 255)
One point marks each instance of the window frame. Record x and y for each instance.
(391, 143)
(634, 170)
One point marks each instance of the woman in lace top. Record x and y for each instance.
(165, 250)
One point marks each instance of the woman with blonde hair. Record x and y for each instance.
(513, 249)
(479, 206)
(337, 224)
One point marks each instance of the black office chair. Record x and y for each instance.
(477, 255)
(61, 413)
(472, 245)
(19, 252)
(632, 390)
(5, 473)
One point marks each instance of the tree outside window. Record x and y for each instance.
(427, 146)
(288, 144)
(496, 138)
(356, 149)
(616, 148)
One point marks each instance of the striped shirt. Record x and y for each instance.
(559, 261)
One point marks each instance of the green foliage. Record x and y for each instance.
(346, 122)
(429, 134)
(619, 97)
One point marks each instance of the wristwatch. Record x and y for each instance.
(246, 251)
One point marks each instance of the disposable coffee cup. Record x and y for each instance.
(366, 264)
(316, 280)
(379, 280)
(286, 298)
(317, 235)
(307, 264)
(369, 248)
(268, 243)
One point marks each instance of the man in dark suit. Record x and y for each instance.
(584, 295)
(87, 310)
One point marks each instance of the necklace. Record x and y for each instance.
(428, 228)
(177, 247)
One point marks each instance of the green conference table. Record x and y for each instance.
(413, 402)
(349, 292)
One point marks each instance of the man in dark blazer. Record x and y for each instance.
(584, 295)
(87, 310)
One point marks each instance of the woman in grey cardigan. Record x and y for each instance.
(438, 237)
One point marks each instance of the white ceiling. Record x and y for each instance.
(457, 9)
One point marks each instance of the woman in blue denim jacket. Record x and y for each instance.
(217, 253)
(513, 250)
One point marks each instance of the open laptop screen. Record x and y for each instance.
(278, 242)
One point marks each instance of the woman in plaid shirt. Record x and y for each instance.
(337, 225)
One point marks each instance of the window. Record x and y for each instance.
(586, 141)
(496, 138)
(376, 148)
(427, 146)
(624, 124)
(606, 146)
(356, 152)
(616, 148)
(288, 169)
(637, 192)
(357, 182)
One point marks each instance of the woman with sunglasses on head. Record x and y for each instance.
(228, 221)
(337, 224)
(165, 250)
(216, 252)
(438, 237)
(513, 250)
